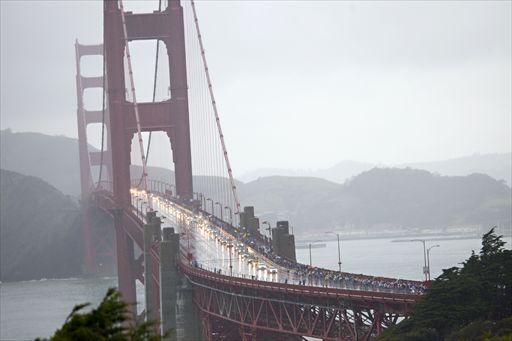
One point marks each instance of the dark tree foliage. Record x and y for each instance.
(485, 330)
(475, 299)
(109, 321)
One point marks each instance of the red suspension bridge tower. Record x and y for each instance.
(170, 116)
(97, 242)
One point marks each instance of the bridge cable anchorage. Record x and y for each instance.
(135, 106)
(214, 104)
(102, 122)
(154, 87)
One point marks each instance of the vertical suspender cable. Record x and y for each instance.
(135, 106)
(212, 97)
(154, 85)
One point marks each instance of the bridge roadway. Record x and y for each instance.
(212, 248)
(263, 307)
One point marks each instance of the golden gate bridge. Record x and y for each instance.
(208, 272)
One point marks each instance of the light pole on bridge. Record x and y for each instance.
(339, 248)
(310, 258)
(230, 214)
(220, 208)
(230, 247)
(425, 267)
(236, 220)
(428, 258)
(208, 199)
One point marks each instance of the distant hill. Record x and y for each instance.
(55, 160)
(337, 173)
(39, 230)
(298, 199)
(381, 198)
(372, 199)
(51, 158)
(417, 198)
(498, 166)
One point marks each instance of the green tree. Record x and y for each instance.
(109, 321)
(479, 291)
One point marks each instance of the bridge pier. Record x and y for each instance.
(125, 264)
(169, 248)
(189, 324)
(176, 294)
(151, 235)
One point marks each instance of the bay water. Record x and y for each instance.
(33, 309)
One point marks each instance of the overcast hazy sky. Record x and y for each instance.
(316, 82)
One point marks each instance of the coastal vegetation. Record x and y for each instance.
(471, 302)
(109, 321)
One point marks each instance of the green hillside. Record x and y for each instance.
(39, 230)
(390, 197)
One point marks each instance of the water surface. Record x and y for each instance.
(37, 308)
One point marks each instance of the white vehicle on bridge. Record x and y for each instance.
(262, 267)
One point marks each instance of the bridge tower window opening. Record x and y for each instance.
(143, 54)
(91, 66)
(160, 155)
(92, 99)
(94, 136)
(144, 6)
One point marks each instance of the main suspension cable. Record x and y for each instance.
(212, 98)
(135, 106)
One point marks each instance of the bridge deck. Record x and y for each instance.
(213, 250)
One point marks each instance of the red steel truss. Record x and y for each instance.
(254, 307)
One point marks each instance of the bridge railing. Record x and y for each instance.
(194, 271)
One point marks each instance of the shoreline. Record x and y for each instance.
(398, 237)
